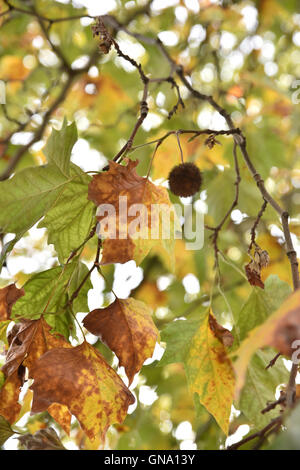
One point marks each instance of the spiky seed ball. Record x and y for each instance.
(185, 179)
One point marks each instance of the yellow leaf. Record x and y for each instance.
(210, 373)
(12, 68)
(9, 396)
(148, 292)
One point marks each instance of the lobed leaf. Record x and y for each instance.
(70, 218)
(80, 379)
(127, 328)
(209, 370)
(122, 246)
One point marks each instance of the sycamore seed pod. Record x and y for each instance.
(185, 179)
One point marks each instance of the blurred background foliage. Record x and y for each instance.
(244, 53)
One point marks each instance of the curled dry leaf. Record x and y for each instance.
(280, 330)
(253, 269)
(29, 340)
(211, 141)
(80, 379)
(253, 274)
(127, 328)
(44, 439)
(220, 332)
(100, 30)
(129, 236)
(8, 296)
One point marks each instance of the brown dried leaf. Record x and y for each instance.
(8, 296)
(127, 328)
(220, 332)
(253, 274)
(29, 340)
(44, 439)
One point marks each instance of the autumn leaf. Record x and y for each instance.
(148, 292)
(9, 396)
(209, 371)
(123, 181)
(253, 274)
(80, 379)
(44, 439)
(280, 330)
(3, 329)
(127, 328)
(30, 340)
(8, 296)
(12, 68)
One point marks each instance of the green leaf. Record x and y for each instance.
(80, 303)
(5, 430)
(27, 196)
(8, 247)
(59, 147)
(39, 288)
(55, 285)
(177, 343)
(260, 385)
(70, 219)
(289, 439)
(268, 148)
(30, 193)
(50, 286)
(62, 322)
(219, 202)
(260, 304)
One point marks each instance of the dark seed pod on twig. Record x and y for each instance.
(100, 31)
(185, 179)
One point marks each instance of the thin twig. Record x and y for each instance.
(216, 230)
(255, 225)
(258, 434)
